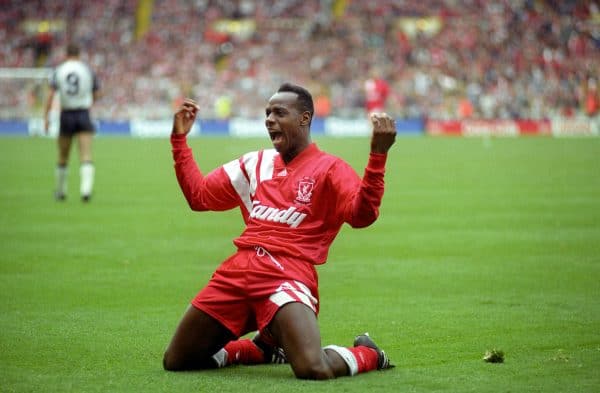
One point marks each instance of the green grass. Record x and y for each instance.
(481, 244)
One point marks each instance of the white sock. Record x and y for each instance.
(220, 358)
(347, 356)
(86, 175)
(61, 179)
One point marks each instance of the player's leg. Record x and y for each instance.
(273, 353)
(224, 298)
(64, 147)
(296, 329)
(258, 350)
(86, 169)
(197, 338)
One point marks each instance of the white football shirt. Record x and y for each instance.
(75, 83)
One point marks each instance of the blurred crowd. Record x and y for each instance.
(441, 59)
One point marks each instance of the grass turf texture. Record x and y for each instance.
(481, 244)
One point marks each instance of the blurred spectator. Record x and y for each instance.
(592, 98)
(377, 91)
(42, 44)
(322, 103)
(465, 109)
(223, 107)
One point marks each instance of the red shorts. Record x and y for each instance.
(249, 287)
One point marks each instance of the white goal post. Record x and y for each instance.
(25, 73)
(23, 94)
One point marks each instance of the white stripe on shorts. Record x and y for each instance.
(286, 293)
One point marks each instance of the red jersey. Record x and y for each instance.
(295, 209)
(377, 91)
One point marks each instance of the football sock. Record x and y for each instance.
(263, 337)
(243, 352)
(61, 179)
(358, 359)
(86, 173)
(366, 358)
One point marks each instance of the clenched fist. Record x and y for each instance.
(384, 132)
(185, 117)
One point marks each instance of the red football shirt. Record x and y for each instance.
(295, 209)
(377, 91)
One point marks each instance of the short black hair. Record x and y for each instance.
(72, 49)
(305, 100)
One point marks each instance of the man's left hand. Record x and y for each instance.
(384, 132)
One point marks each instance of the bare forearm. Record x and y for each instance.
(49, 103)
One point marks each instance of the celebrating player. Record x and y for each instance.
(293, 199)
(77, 86)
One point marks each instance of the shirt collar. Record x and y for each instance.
(305, 155)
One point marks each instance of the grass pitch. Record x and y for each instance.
(482, 244)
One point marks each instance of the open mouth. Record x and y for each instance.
(276, 136)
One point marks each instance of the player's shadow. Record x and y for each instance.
(279, 372)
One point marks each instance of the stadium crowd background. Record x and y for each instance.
(445, 59)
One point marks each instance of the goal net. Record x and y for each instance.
(23, 94)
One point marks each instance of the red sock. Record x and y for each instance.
(243, 352)
(366, 358)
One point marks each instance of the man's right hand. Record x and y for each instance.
(185, 117)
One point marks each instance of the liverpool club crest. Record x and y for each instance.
(305, 190)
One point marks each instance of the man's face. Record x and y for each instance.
(287, 126)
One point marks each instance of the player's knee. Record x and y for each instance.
(171, 363)
(317, 370)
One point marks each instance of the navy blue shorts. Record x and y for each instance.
(74, 121)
